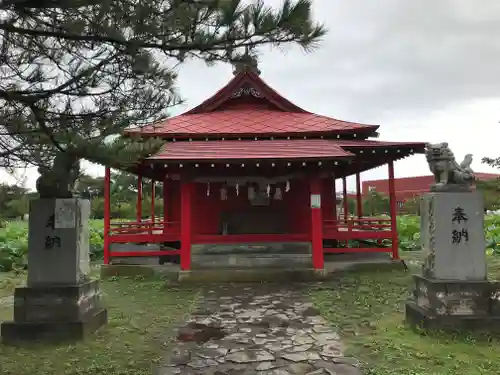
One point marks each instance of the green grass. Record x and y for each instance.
(8, 282)
(142, 315)
(368, 309)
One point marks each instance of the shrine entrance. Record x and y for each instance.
(262, 213)
(254, 220)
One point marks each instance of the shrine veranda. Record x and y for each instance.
(248, 167)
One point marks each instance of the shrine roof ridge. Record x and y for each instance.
(248, 106)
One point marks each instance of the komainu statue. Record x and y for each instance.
(449, 175)
(59, 181)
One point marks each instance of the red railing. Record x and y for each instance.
(349, 228)
(144, 231)
(357, 250)
(143, 227)
(355, 223)
(152, 253)
(159, 230)
(152, 231)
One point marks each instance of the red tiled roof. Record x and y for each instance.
(268, 113)
(419, 146)
(250, 122)
(261, 149)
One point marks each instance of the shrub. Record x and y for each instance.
(14, 244)
(409, 232)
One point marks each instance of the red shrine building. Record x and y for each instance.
(247, 167)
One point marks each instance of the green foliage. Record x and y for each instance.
(491, 193)
(96, 239)
(126, 209)
(492, 226)
(490, 188)
(14, 244)
(375, 204)
(412, 206)
(89, 187)
(124, 195)
(14, 201)
(492, 162)
(409, 232)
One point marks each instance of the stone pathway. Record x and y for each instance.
(261, 329)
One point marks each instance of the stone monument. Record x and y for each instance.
(59, 302)
(453, 292)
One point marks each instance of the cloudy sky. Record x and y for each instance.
(424, 70)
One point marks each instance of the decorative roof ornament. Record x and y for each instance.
(246, 91)
(246, 63)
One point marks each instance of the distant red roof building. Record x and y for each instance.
(411, 187)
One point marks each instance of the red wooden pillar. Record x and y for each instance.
(326, 204)
(392, 196)
(107, 213)
(346, 205)
(138, 206)
(153, 197)
(334, 193)
(152, 226)
(186, 224)
(166, 196)
(316, 224)
(359, 201)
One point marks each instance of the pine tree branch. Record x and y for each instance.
(137, 43)
(492, 162)
(71, 79)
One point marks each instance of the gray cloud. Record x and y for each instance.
(404, 55)
(384, 55)
(389, 55)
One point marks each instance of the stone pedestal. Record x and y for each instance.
(452, 233)
(453, 292)
(454, 305)
(59, 302)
